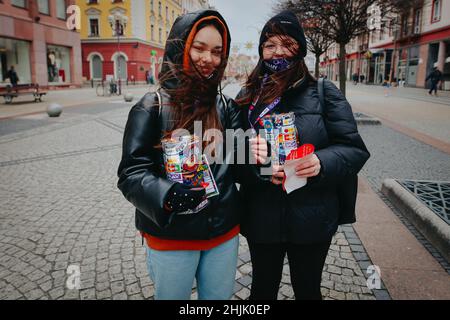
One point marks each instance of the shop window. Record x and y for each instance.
(58, 64)
(15, 53)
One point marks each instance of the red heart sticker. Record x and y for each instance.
(301, 152)
(205, 184)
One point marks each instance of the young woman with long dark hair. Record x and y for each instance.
(202, 245)
(302, 223)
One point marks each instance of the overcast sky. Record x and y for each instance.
(245, 18)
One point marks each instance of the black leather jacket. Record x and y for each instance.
(141, 173)
(309, 214)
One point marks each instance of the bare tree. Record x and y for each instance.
(317, 43)
(340, 22)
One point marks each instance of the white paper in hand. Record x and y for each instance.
(292, 181)
(295, 158)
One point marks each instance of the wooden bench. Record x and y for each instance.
(9, 92)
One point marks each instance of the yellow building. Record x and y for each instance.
(137, 48)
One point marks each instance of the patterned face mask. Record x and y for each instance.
(277, 65)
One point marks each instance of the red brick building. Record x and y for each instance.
(405, 50)
(34, 38)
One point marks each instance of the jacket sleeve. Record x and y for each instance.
(243, 171)
(346, 153)
(139, 178)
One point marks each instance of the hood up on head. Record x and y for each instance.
(287, 23)
(182, 34)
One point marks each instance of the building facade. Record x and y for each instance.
(405, 50)
(137, 49)
(34, 38)
(194, 5)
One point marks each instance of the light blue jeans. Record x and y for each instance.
(173, 272)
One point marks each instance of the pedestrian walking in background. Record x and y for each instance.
(300, 224)
(12, 75)
(203, 245)
(435, 77)
(355, 79)
(362, 78)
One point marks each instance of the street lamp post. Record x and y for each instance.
(118, 23)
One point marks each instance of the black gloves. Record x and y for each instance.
(181, 197)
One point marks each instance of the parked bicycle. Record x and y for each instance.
(107, 88)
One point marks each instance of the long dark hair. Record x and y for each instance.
(278, 82)
(194, 97)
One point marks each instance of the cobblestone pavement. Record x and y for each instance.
(59, 206)
(397, 156)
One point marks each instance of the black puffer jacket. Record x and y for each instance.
(141, 172)
(309, 214)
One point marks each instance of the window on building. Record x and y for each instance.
(152, 32)
(160, 35)
(61, 8)
(167, 12)
(93, 27)
(417, 21)
(58, 64)
(43, 7)
(160, 8)
(436, 11)
(173, 16)
(405, 28)
(93, 1)
(19, 3)
(119, 29)
(151, 5)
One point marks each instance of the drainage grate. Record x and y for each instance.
(435, 195)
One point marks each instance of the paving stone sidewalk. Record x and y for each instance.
(60, 207)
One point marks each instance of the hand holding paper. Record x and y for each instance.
(297, 157)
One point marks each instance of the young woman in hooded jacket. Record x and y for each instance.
(302, 223)
(202, 245)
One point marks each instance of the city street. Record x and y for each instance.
(60, 207)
